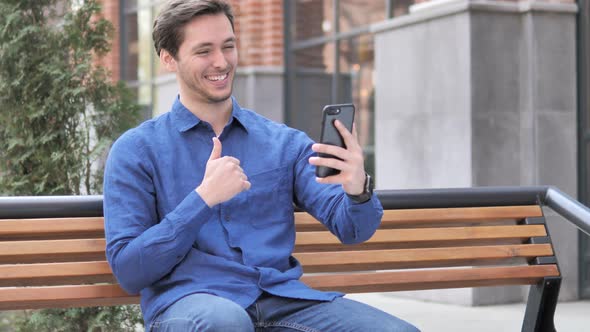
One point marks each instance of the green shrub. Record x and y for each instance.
(59, 113)
(97, 319)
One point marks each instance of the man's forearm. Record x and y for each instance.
(141, 260)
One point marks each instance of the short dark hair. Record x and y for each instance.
(168, 31)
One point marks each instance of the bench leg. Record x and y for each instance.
(540, 307)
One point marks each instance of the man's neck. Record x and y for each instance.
(216, 114)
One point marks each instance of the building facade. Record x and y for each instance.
(449, 93)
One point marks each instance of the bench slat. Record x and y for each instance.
(416, 258)
(55, 274)
(64, 297)
(413, 217)
(15, 228)
(433, 237)
(92, 295)
(431, 279)
(51, 251)
(20, 229)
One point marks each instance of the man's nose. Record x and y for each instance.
(219, 60)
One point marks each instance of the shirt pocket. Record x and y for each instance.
(270, 198)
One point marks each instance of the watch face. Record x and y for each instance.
(369, 185)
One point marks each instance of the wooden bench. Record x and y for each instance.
(52, 252)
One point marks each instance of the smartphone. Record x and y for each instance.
(330, 135)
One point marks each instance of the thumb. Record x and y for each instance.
(216, 152)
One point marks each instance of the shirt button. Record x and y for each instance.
(227, 218)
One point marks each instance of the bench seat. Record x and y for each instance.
(59, 262)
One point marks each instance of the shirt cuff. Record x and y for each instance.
(191, 213)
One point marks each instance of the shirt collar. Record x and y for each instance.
(185, 120)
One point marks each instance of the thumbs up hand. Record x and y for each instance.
(224, 178)
(216, 151)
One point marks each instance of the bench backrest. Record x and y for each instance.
(60, 262)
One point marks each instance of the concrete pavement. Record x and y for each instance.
(429, 317)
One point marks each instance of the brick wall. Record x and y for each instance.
(259, 27)
(110, 9)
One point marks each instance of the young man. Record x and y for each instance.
(198, 202)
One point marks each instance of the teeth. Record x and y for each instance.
(217, 77)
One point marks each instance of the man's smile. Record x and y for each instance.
(216, 78)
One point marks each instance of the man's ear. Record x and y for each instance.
(167, 60)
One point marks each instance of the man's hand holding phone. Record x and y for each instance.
(349, 161)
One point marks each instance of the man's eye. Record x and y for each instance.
(228, 47)
(205, 52)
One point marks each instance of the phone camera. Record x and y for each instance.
(334, 111)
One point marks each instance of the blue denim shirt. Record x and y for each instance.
(164, 242)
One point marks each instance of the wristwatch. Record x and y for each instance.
(367, 192)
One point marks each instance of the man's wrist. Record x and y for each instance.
(367, 192)
(204, 196)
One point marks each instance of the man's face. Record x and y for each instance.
(207, 59)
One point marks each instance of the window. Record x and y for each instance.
(139, 62)
(330, 60)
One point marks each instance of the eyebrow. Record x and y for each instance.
(206, 44)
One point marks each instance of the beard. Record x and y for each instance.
(196, 88)
(218, 99)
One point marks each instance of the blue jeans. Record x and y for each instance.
(205, 312)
